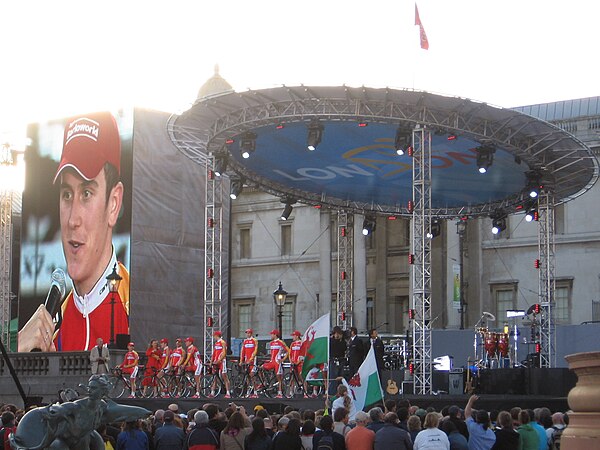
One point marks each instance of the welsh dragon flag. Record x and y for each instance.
(365, 386)
(315, 345)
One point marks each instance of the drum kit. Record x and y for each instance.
(492, 349)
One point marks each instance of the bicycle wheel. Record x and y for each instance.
(117, 387)
(271, 384)
(206, 384)
(176, 386)
(162, 387)
(296, 389)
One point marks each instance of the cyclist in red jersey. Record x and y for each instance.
(130, 366)
(279, 352)
(152, 366)
(176, 358)
(297, 358)
(219, 359)
(164, 358)
(249, 351)
(192, 363)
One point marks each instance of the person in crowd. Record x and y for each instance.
(356, 351)
(176, 357)
(219, 360)
(177, 420)
(91, 196)
(360, 437)
(376, 415)
(431, 437)
(296, 359)
(421, 413)
(328, 436)
(290, 438)
(110, 443)
(308, 431)
(456, 439)
(146, 428)
(378, 348)
(506, 436)
(282, 424)
(193, 363)
(391, 436)
(248, 359)
(234, 434)
(153, 355)
(169, 436)
(130, 366)
(337, 355)
(541, 432)
(99, 358)
(344, 400)
(529, 437)
(257, 439)
(414, 426)
(132, 438)
(201, 436)
(279, 352)
(455, 416)
(269, 427)
(481, 435)
(8, 426)
(514, 413)
(215, 421)
(403, 417)
(554, 433)
(340, 421)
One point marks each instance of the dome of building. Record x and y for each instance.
(215, 85)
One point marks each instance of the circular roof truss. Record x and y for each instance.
(568, 167)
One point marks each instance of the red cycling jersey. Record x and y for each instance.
(219, 349)
(176, 356)
(164, 359)
(278, 350)
(193, 358)
(130, 359)
(249, 348)
(295, 351)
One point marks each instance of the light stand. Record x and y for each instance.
(279, 297)
(114, 281)
(461, 230)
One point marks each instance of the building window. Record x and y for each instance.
(245, 243)
(504, 297)
(242, 317)
(397, 314)
(595, 310)
(562, 302)
(559, 219)
(370, 241)
(286, 240)
(370, 313)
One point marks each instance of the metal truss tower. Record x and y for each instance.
(345, 262)
(421, 260)
(5, 255)
(213, 250)
(546, 278)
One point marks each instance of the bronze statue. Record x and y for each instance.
(72, 425)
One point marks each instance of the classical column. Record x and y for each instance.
(360, 275)
(324, 265)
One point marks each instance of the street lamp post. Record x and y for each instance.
(114, 280)
(279, 296)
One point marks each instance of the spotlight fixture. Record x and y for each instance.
(435, 230)
(498, 222)
(533, 183)
(485, 157)
(403, 141)
(369, 225)
(237, 186)
(221, 160)
(247, 144)
(532, 215)
(288, 208)
(315, 134)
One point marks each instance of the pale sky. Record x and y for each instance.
(66, 57)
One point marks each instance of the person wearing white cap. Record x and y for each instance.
(91, 196)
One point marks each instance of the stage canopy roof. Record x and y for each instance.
(355, 167)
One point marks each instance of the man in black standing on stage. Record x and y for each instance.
(356, 351)
(337, 354)
(378, 348)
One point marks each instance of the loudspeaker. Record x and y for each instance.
(122, 341)
(456, 383)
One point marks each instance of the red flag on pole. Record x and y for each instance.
(424, 41)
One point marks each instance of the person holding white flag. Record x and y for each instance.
(364, 387)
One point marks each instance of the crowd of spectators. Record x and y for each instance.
(395, 425)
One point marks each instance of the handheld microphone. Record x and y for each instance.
(57, 292)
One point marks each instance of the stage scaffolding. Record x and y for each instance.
(546, 278)
(5, 255)
(345, 264)
(213, 251)
(421, 260)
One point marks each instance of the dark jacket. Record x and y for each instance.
(263, 443)
(285, 441)
(356, 354)
(506, 440)
(378, 348)
(201, 437)
(392, 437)
(136, 440)
(376, 426)
(458, 441)
(169, 437)
(338, 440)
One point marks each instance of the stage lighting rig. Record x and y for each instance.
(237, 186)
(533, 183)
(485, 157)
(221, 161)
(369, 225)
(287, 210)
(315, 134)
(498, 222)
(436, 229)
(247, 144)
(403, 141)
